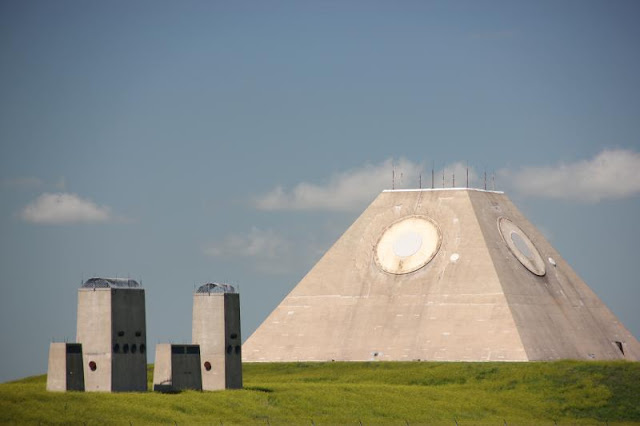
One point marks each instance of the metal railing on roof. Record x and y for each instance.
(110, 283)
(216, 288)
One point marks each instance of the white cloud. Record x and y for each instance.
(345, 191)
(59, 208)
(257, 243)
(269, 252)
(612, 174)
(455, 174)
(353, 189)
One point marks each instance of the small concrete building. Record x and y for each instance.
(216, 328)
(65, 372)
(177, 368)
(111, 327)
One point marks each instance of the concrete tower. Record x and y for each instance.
(216, 328)
(112, 330)
(448, 275)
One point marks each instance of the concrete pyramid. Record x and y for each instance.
(442, 275)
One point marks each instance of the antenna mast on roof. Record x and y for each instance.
(467, 174)
(420, 181)
(393, 177)
(443, 177)
(485, 179)
(453, 179)
(432, 173)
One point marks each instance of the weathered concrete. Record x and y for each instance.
(558, 316)
(111, 327)
(216, 328)
(64, 372)
(177, 367)
(472, 301)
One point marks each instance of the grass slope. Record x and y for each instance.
(566, 392)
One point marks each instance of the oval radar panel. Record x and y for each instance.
(521, 246)
(407, 245)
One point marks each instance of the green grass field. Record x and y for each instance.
(566, 392)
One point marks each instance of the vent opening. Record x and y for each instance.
(74, 348)
(620, 347)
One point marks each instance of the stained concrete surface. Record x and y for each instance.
(216, 328)
(111, 326)
(473, 301)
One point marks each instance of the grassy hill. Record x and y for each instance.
(566, 392)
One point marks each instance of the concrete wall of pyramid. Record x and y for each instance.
(443, 275)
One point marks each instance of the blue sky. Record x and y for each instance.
(185, 142)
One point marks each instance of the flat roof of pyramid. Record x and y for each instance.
(443, 189)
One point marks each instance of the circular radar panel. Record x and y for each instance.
(407, 245)
(521, 246)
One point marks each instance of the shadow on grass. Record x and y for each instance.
(258, 389)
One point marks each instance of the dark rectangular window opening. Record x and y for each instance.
(74, 348)
(193, 349)
(177, 349)
(619, 345)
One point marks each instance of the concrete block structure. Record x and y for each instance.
(445, 275)
(216, 328)
(65, 370)
(111, 327)
(177, 368)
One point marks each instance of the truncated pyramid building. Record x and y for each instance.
(442, 275)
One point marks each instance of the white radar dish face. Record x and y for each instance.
(521, 246)
(407, 245)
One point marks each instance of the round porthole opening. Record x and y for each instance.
(407, 245)
(521, 246)
(92, 366)
(207, 365)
